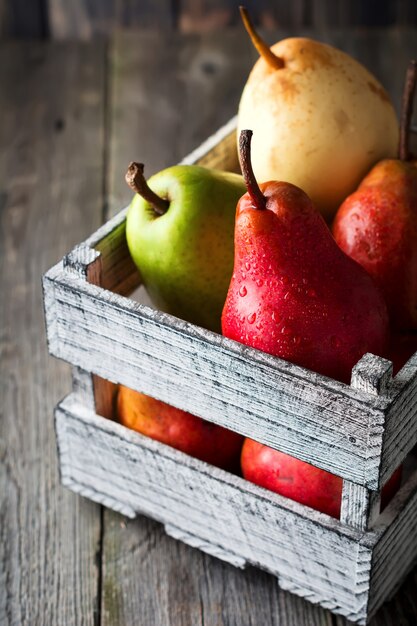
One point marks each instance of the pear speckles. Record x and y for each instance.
(243, 291)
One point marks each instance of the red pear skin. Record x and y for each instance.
(377, 227)
(294, 293)
(401, 348)
(181, 430)
(301, 481)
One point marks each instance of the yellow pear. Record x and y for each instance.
(320, 120)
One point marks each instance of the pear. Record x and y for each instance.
(377, 224)
(320, 119)
(179, 231)
(181, 430)
(294, 293)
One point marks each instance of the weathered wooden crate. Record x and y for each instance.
(360, 432)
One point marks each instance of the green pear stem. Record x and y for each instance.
(257, 197)
(407, 110)
(263, 48)
(137, 182)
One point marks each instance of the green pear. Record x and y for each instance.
(180, 229)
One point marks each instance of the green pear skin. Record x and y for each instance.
(185, 256)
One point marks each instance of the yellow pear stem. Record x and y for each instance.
(407, 110)
(136, 181)
(256, 195)
(263, 49)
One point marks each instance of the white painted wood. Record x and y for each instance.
(401, 420)
(312, 555)
(309, 552)
(317, 419)
(360, 506)
(394, 536)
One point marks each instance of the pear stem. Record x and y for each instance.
(136, 181)
(407, 110)
(264, 50)
(257, 197)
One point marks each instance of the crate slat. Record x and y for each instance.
(133, 474)
(280, 404)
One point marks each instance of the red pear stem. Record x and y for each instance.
(136, 181)
(263, 49)
(407, 110)
(257, 197)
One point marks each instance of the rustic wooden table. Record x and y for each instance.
(71, 117)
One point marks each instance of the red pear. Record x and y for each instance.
(181, 430)
(294, 293)
(377, 225)
(301, 481)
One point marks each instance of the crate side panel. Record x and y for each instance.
(119, 273)
(396, 548)
(401, 424)
(265, 398)
(310, 551)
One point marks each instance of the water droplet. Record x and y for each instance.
(243, 274)
(311, 293)
(247, 265)
(259, 326)
(251, 318)
(335, 342)
(275, 317)
(255, 265)
(305, 281)
(243, 291)
(259, 282)
(296, 340)
(286, 330)
(287, 295)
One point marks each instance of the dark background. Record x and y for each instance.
(83, 19)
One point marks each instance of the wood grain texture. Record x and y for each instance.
(319, 420)
(310, 553)
(163, 581)
(158, 122)
(360, 505)
(51, 109)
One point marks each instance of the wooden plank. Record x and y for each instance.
(21, 19)
(396, 548)
(360, 505)
(310, 553)
(314, 418)
(400, 436)
(51, 109)
(80, 19)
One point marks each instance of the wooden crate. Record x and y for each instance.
(360, 432)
